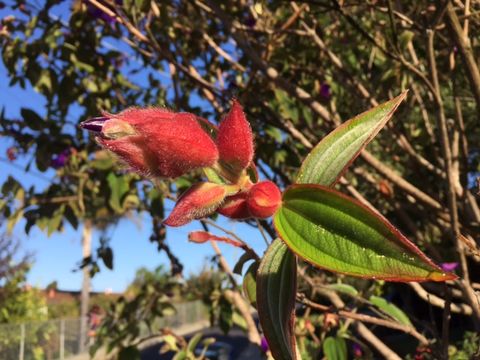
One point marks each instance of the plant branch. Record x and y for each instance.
(365, 318)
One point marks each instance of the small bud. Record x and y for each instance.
(199, 201)
(155, 142)
(12, 153)
(235, 139)
(201, 237)
(235, 207)
(264, 198)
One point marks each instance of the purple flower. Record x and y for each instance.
(325, 91)
(60, 160)
(357, 350)
(449, 266)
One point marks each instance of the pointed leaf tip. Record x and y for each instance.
(330, 158)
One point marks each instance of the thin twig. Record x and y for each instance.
(365, 318)
(260, 228)
(439, 302)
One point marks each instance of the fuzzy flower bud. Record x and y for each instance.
(264, 198)
(155, 142)
(235, 139)
(199, 201)
(235, 207)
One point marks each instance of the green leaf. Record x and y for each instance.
(129, 353)
(118, 188)
(337, 233)
(250, 284)
(10, 186)
(335, 348)
(71, 216)
(192, 344)
(238, 268)
(13, 219)
(344, 288)
(276, 290)
(225, 320)
(330, 158)
(106, 254)
(180, 355)
(390, 309)
(32, 119)
(55, 221)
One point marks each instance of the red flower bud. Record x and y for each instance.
(155, 142)
(264, 198)
(199, 201)
(235, 207)
(235, 139)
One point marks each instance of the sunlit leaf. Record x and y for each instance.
(344, 288)
(390, 309)
(330, 158)
(335, 348)
(335, 232)
(118, 188)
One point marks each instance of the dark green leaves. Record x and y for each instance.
(276, 291)
(330, 158)
(337, 233)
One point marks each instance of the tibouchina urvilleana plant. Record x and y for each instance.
(313, 220)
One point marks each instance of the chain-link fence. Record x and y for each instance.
(60, 339)
(49, 340)
(187, 313)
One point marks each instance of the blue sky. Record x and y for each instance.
(56, 257)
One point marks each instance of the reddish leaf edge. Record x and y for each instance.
(347, 123)
(441, 276)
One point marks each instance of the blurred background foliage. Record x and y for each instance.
(299, 69)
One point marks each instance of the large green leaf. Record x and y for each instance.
(335, 232)
(331, 157)
(276, 291)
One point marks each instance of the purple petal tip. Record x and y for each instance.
(94, 124)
